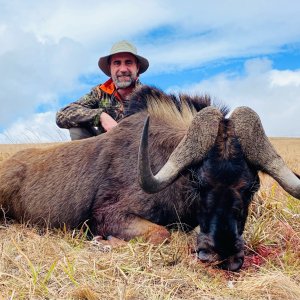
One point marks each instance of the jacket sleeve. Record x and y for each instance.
(83, 112)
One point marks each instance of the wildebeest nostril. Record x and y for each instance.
(205, 255)
(232, 264)
(236, 264)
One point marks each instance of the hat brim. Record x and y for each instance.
(103, 63)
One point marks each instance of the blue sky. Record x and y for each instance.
(240, 53)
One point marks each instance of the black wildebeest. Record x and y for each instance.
(206, 167)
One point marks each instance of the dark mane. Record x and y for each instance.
(142, 95)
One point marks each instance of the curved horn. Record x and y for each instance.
(260, 152)
(199, 138)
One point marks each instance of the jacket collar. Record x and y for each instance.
(110, 88)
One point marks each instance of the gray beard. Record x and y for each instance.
(123, 84)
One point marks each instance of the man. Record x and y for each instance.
(99, 110)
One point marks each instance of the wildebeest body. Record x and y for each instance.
(93, 181)
(98, 181)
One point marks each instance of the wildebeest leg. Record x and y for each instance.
(138, 227)
(128, 228)
(110, 241)
(151, 232)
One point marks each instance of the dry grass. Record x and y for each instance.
(65, 265)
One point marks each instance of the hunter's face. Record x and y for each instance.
(124, 69)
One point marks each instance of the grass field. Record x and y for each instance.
(58, 264)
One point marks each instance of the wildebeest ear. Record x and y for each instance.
(197, 102)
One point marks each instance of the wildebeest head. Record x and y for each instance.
(223, 157)
(225, 184)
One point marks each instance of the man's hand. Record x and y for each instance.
(107, 121)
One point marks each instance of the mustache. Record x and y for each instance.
(124, 74)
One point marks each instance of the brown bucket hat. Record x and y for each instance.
(120, 47)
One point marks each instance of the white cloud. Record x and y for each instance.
(201, 32)
(39, 128)
(285, 78)
(271, 93)
(34, 73)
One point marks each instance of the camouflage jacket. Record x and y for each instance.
(86, 111)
